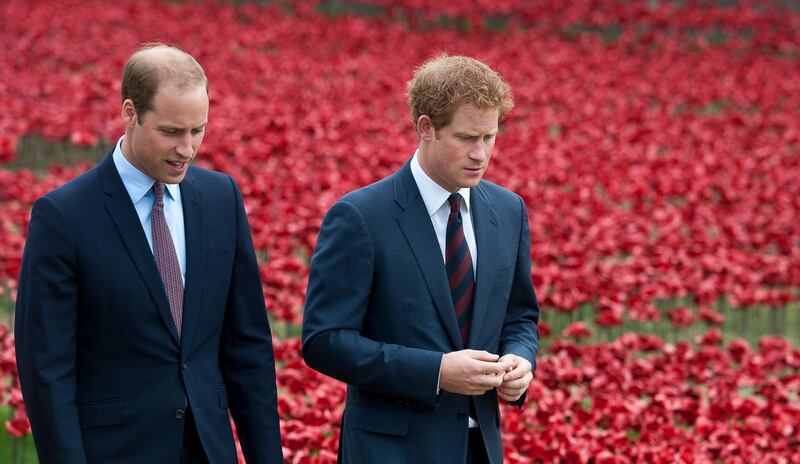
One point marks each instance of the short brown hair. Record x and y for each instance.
(153, 64)
(442, 84)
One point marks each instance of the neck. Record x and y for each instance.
(127, 150)
(422, 159)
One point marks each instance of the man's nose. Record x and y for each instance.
(480, 150)
(184, 147)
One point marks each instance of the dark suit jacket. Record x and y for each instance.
(379, 316)
(104, 374)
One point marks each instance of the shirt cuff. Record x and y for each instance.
(439, 381)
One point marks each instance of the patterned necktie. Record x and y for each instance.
(458, 262)
(166, 257)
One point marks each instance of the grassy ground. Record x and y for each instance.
(749, 323)
(15, 450)
(37, 154)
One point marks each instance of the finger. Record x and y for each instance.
(514, 374)
(518, 384)
(489, 368)
(485, 381)
(521, 370)
(503, 366)
(511, 358)
(508, 390)
(483, 356)
(477, 390)
(507, 396)
(515, 392)
(508, 365)
(493, 381)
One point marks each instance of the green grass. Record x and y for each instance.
(15, 450)
(37, 154)
(750, 323)
(6, 311)
(284, 330)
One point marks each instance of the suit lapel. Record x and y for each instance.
(193, 227)
(119, 206)
(486, 235)
(418, 231)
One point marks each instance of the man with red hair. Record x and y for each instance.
(420, 295)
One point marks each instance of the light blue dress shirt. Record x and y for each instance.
(140, 188)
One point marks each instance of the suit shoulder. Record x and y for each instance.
(208, 178)
(370, 197)
(499, 197)
(78, 190)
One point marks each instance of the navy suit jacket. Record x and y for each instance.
(104, 374)
(379, 316)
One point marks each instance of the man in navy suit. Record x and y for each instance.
(140, 318)
(420, 295)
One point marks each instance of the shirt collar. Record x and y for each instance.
(135, 181)
(433, 194)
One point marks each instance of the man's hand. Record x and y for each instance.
(516, 379)
(471, 372)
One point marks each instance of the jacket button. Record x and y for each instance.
(462, 416)
(185, 367)
(179, 414)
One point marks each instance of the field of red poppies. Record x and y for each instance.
(656, 144)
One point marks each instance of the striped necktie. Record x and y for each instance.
(166, 257)
(458, 263)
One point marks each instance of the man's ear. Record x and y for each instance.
(425, 128)
(129, 114)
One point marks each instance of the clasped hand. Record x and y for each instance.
(472, 372)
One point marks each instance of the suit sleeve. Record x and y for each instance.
(46, 335)
(520, 335)
(246, 357)
(337, 299)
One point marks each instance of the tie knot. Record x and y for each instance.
(455, 202)
(158, 191)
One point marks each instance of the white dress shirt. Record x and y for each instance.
(435, 198)
(140, 188)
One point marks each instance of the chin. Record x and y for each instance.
(172, 180)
